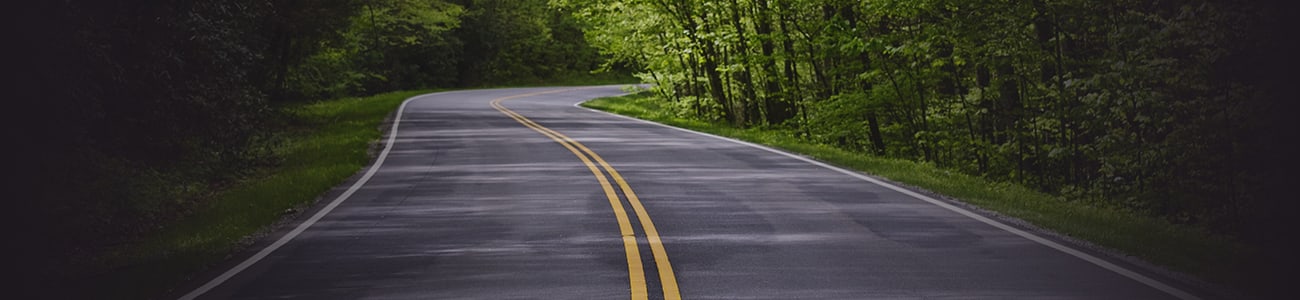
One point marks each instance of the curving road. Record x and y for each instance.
(518, 194)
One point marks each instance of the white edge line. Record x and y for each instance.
(392, 138)
(1029, 236)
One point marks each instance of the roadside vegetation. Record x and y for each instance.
(324, 144)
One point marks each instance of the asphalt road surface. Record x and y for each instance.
(518, 194)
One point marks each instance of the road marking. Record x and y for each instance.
(1151, 282)
(666, 276)
(636, 272)
(379, 161)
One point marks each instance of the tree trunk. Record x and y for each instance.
(776, 107)
(748, 96)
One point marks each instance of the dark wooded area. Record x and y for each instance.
(125, 115)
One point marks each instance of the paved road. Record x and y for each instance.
(479, 202)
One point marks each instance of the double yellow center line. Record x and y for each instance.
(636, 273)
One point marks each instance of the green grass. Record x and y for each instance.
(327, 144)
(1181, 248)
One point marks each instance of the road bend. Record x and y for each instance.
(518, 194)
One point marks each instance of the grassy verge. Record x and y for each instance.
(327, 143)
(1180, 248)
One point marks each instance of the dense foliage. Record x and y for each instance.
(125, 114)
(1172, 108)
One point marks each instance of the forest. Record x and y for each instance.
(124, 115)
(1175, 109)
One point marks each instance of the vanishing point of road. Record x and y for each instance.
(519, 194)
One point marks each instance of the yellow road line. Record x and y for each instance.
(666, 276)
(636, 273)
